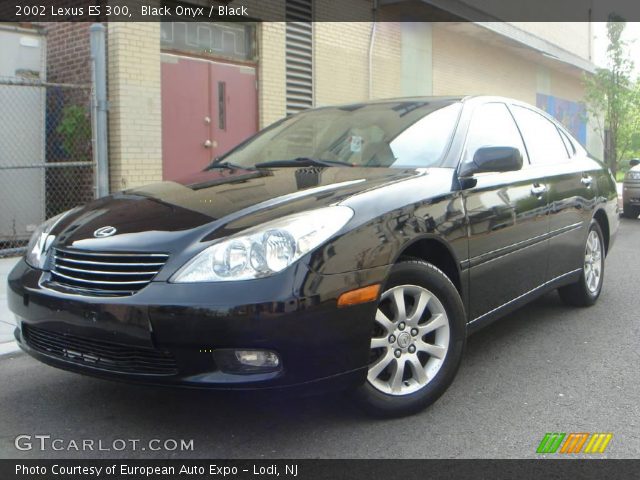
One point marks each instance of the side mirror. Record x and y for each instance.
(493, 159)
(634, 161)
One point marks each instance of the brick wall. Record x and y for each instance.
(68, 52)
(341, 61)
(133, 53)
(567, 85)
(463, 64)
(135, 128)
(575, 37)
(271, 72)
(387, 61)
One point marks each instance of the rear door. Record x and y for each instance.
(507, 215)
(571, 184)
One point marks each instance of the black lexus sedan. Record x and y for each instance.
(351, 247)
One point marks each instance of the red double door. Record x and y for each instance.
(207, 108)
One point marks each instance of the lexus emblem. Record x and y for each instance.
(103, 232)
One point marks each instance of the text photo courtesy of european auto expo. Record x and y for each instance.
(319, 239)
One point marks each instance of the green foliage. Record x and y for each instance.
(75, 132)
(613, 99)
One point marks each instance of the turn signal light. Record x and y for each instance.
(361, 295)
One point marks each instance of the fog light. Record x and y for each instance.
(257, 358)
(247, 361)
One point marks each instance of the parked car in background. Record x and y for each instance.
(631, 190)
(344, 247)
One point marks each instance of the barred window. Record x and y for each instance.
(230, 40)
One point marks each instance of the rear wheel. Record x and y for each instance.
(416, 342)
(586, 290)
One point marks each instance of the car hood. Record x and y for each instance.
(172, 216)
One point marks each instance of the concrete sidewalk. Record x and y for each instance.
(7, 320)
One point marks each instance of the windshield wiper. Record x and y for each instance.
(303, 161)
(227, 165)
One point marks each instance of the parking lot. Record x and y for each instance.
(544, 368)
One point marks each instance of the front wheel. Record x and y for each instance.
(586, 290)
(416, 343)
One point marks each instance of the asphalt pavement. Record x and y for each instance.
(545, 368)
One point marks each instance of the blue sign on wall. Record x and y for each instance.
(572, 115)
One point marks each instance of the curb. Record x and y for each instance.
(8, 348)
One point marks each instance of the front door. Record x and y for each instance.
(508, 221)
(207, 109)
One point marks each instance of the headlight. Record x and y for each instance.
(41, 240)
(633, 175)
(266, 249)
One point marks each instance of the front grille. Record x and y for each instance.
(98, 354)
(101, 273)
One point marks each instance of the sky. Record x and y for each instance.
(631, 35)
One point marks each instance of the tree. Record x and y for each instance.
(613, 98)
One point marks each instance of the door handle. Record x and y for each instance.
(538, 190)
(586, 181)
(207, 144)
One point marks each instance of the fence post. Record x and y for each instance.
(99, 108)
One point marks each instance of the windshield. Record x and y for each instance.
(390, 134)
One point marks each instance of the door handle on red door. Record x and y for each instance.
(587, 181)
(538, 190)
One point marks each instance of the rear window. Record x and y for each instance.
(541, 137)
(571, 149)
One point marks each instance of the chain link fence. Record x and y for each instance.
(46, 160)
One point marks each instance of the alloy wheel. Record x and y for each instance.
(593, 262)
(410, 340)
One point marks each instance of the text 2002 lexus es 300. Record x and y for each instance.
(343, 247)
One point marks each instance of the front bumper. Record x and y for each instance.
(631, 193)
(293, 313)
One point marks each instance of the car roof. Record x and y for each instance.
(396, 101)
(443, 100)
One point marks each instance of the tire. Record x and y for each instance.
(427, 350)
(630, 212)
(585, 292)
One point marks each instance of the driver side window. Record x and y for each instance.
(492, 126)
